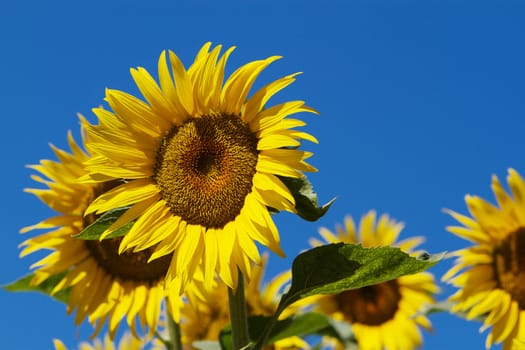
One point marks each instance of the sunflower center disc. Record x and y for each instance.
(509, 265)
(128, 265)
(205, 167)
(371, 305)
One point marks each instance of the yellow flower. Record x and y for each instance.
(127, 342)
(385, 315)
(207, 311)
(201, 161)
(104, 286)
(490, 274)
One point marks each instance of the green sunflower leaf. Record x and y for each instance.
(310, 323)
(24, 285)
(95, 230)
(334, 268)
(305, 197)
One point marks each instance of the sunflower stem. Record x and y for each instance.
(174, 342)
(238, 315)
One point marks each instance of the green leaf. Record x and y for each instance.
(305, 197)
(310, 323)
(93, 231)
(24, 285)
(334, 268)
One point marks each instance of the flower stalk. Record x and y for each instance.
(174, 334)
(238, 315)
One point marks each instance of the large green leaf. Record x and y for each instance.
(95, 230)
(334, 268)
(305, 197)
(309, 324)
(299, 325)
(24, 285)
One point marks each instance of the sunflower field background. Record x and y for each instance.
(419, 104)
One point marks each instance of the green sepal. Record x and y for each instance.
(95, 230)
(334, 268)
(306, 202)
(24, 285)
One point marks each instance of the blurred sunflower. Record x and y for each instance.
(385, 315)
(202, 162)
(207, 311)
(490, 274)
(127, 342)
(104, 286)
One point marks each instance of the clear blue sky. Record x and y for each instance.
(420, 101)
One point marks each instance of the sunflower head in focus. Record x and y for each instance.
(385, 315)
(490, 275)
(207, 311)
(104, 285)
(202, 162)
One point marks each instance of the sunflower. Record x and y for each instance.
(385, 315)
(104, 285)
(202, 163)
(207, 311)
(490, 274)
(127, 342)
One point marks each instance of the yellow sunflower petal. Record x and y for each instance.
(123, 195)
(367, 229)
(139, 232)
(129, 215)
(257, 102)
(227, 238)
(239, 84)
(151, 91)
(59, 345)
(506, 324)
(276, 141)
(189, 248)
(137, 112)
(211, 248)
(183, 83)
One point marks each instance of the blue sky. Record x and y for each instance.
(420, 103)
